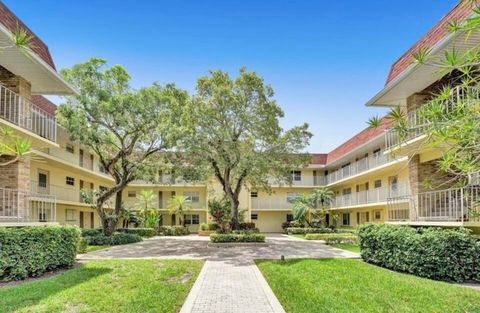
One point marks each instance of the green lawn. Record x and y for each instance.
(301, 236)
(348, 247)
(95, 248)
(107, 286)
(346, 285)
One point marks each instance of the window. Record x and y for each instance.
(292, 196)
(70, 181)
(102, 189)
(42, 180)
(70, 148)
(192, 196)
(254, 216)
(132, 194)
(296, 175)
(191, 219)
(378, 183)
(376, 153)
(70, 215)
(289, 217)
(254, 194)
(346, 219)
(102, 169)
(378, 215)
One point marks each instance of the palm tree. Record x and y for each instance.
(146, 199)
(305, 208)
(179, 205)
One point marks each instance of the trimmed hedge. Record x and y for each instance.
(332, 239)
(32, 251)
(308, 230)
(91, 231)
(436, 253)
(237, 237)
(173, 231)
(142, 232)
(210, 226)
(113, 240)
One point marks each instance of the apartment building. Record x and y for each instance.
(409, 86)
(375, 177)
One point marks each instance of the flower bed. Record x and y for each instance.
(237, 237)
(332, 239)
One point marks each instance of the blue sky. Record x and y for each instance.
(324, 59)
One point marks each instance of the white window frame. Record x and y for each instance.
(348, 219)
(70, 215)
(70, 148)
(131, 194)
(297, 175)
(292, 196)
(254, 216)
(191, 219)
(192, 196)
(70, 181)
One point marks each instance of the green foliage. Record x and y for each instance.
(90, 231)
(210, 226)
(332, 239)
(32, 251)
(374, 122)
(173, 231)
(237, 237)
(312, 208)
(142, 232)
(82, 246)
(12, 145)
(308, 230)
(179, 205)
(113, 240)
(232, 132)
(436, 253)
(219, 210)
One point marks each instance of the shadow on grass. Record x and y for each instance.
(31, 293)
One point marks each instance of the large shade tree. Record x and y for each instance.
(125, 128)
(232, 132)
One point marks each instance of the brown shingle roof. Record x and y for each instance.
(359, 139)
(44, 104)
(319, 158)
(10, 21)
(459, 13)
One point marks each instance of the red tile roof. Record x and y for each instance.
(459, 13)
(359, 139)
(319, 158)
(44, 104)
(10, 21)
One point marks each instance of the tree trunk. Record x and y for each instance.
(108, 226)
(118, 202)
(234, 214)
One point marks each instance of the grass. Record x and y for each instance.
(107, 286)
(301, 236)
(346, 285)
(95, 248)
(348, 247)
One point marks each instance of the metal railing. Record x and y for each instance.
(23, 113)
(303, 181)
(72, 158)
(417, 124)
(359, 166)
(134, 203)
(271, 203)
(449, 205)
(376, 195)
(62, 193)
(22, 206)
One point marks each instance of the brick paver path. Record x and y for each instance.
(231, 286)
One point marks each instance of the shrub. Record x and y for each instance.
(210, 226)
(113, 240)
(32, 251)
(82, 245)
(332, 239)
(442, 254)
(286, 225)
(91, 231)
(143, 232)
(173, 231)
(246, 226)
(296, 224)
(237, 237)
(308, 230)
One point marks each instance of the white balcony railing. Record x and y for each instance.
(304, 181)
(449, 205)
(21, 206)
(376, 195)
(156, 204)
(71, 158)
(417, 125)
(359, 166)
(23, 113)
(61, 193)
(271, 203)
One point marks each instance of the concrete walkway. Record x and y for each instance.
(229, 282)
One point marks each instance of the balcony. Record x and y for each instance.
(18, 206)
(71, 158)
(304, 181)
(358, 167)
(417, 125)
(455, 205)
(23, 113)
(271, 203)
(372, 196)
(135, 204)
(61, 193)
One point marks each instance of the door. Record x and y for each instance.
(82, 185)
(81, 220)
(92, 220)
(393, 186)
(80, 159)
(160, 199)
(174, 220)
